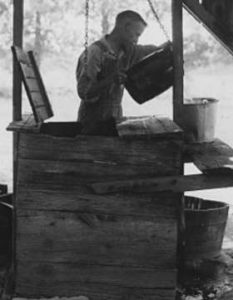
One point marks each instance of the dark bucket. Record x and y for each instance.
(205, 223)
(152, 75)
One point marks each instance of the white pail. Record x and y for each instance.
(199, 117)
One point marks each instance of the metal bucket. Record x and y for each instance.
(152, 75)
(205, 223)
(198, 119)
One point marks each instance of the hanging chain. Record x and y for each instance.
(158, 19)
(86, 41)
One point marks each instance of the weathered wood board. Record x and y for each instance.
(70, 241)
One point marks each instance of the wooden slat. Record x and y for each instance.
(168, 183)
(43, 91)
(93, 282)
(118, 277)
(98, 292)
(24, 126)
(28, 70)
(211, 158)
(219, 30)
(68, 174)
(30, 197)
(162, 154)
(33, 85)
(148, 125)
(85, 238)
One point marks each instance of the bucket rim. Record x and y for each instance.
(222, 205)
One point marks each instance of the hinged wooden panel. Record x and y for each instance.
(33, 84)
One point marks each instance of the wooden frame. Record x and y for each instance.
(33, 83)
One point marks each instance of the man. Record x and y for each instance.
(101, 73)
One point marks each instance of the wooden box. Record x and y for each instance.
(70, 241)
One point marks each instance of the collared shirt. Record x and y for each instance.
(101, 62)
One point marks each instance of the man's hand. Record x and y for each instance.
(119, 77)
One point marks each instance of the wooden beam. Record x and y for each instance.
(17, 41)
(219, 30)
(17, 111)
(168, 183)
(177, 33)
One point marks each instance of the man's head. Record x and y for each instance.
(130, 26)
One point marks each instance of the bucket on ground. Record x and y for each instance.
(205, 222)
(198, 119)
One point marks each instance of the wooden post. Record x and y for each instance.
(18, 41)
(17, 86)
(177, 32)
(178, 97)
(17, 104)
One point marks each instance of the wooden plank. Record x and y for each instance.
(106, 150)
(177, 33)
(28, 70)
(41, 110)
(44, 94)
(219, 30)
(19, 54)
(148, 125)
(95, 282)
(18, 16)
(100, 292)
(160, 205)
(33, 85)
(28, 126)
(211, 158)
(68, 174)
(62, 274)
(168, 183)
(96, 239)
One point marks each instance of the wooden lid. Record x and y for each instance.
(33, 84)
(155, 126)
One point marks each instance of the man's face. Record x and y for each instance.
(132, 32)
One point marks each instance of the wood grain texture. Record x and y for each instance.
(148, 125)
(96, 239)
(107, 150)
(72, 241)
(211, 158)
(129, 286)
(166, 183)
(34, 197)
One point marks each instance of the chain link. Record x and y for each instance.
(158, 19)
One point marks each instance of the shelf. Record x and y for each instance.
(214, 160)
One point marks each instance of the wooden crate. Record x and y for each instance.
(70, 241)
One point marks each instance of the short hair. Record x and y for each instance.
(130, 15)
